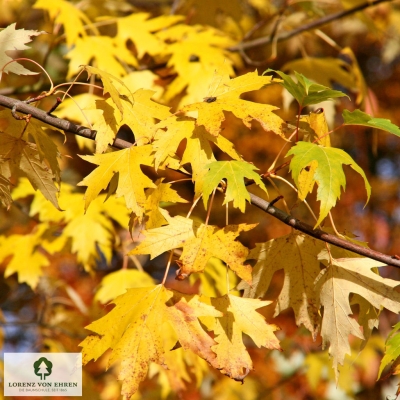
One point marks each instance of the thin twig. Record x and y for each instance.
(306, 27)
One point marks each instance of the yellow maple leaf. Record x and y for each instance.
(334, 284)
(65, 13)
(213, 280)
(20, 156)
(92, 233)
(89, 234)
(139, 114)
(135, 329)
(116, 283)
(171, 131)
(182, 367)
(239, 316)
(195, 53)
(228, 389)
(12, 39)
(210, 241)
(224, 95)
(184, 312)
(169, 134)
(39, 132)
(297, 255)
(5, 193)
(22, 248)
(368, 316)
(75, 109)
(109, 85)
(143, 37)
(316, 125)
(105, 51)
(168, 237)
(131, 180)
(198, 153)
(161, 194)
(306, 180)
(145, 79)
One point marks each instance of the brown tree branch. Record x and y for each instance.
(55, 122)
(306, 27)
(255, 200)
(322, 235)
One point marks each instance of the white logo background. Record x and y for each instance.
(20, 378)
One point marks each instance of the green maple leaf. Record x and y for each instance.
(358, 117)
(328, 174)
(305, 91)
(392, 350)
(234, 172)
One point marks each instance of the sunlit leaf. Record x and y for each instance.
(224, 95)
(234, 172)
(220, 243)
(296, 254)
(135, 331)
(328, 174)
(132, 181)
(335, 283)
(14, 39)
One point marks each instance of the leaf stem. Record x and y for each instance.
(326, 134)
(279, 192)
(210, 207)
(182, 180)
(298, 122)
(280, 152)
(125, 262)
(80, 109)
(193, 206)
(137, 263)
(167, 268)
(71, 83)
(333, 225)
(304, 201)
(34, 62)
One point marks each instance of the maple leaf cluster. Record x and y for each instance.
(152, 328)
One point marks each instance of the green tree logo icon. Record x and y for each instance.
(42, 367)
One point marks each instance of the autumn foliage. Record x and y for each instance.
(131, 201)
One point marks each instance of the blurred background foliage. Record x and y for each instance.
(358, 54)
